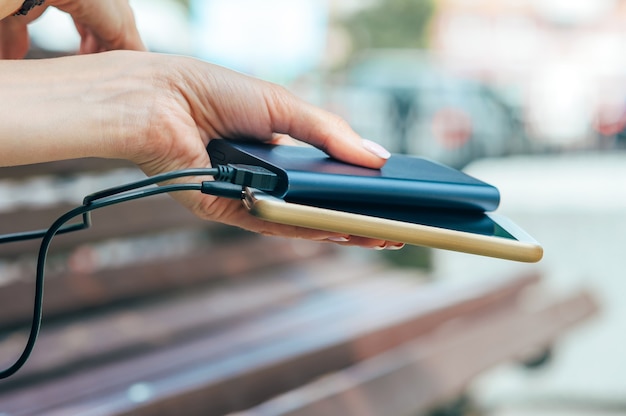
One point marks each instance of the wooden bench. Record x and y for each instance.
(153, 311)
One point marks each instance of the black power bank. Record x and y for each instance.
(309, 176)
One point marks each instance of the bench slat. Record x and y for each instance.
(150, 325)
(149, 215)
(437, 367)
(73, 291)
(63, 167)
(230, 370)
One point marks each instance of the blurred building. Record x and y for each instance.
(562, 62)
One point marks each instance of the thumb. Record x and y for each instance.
(327, 132)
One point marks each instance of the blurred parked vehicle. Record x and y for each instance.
(403, 100)
(609, 124)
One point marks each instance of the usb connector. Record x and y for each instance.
(231, 179)
(248, 175)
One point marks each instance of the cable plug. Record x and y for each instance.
(247, 176)
(222, 189)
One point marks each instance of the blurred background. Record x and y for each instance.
(529, 95)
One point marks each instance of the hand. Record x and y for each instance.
(103, 25)
(160, 112)
(198, 102)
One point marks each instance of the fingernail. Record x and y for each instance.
(389, 247)
(338, 239)
(376, 149)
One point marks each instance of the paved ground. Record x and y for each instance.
(576, 207)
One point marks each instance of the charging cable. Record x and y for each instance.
(229, 182)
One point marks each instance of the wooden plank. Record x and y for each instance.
(229, 370)
(72, 291)
(434, 369)
(62, 347)
(128, 219)
(63, 167)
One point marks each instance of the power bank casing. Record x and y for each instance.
(308, 175)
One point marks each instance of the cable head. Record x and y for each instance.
(248, 176)
(222, 189)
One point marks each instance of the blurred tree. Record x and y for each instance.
(390, 24)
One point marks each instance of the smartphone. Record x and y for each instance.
(486, 234)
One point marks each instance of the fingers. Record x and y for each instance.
(372, 243)
(103, 25)
(324, 130)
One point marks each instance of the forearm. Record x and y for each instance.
(66, 108)
(7, 7)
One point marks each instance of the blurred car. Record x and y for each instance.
(401, 99)
(609, 124)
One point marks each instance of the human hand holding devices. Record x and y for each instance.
(159, 112)
(211, 102)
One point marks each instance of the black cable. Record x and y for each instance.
(83, 210)
(244, 175)
(236, 176)
(153, 180)
(30, 235)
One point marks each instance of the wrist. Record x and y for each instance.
(82, 106)
(31, 102)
